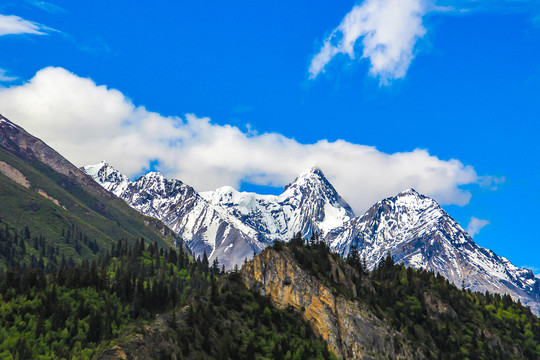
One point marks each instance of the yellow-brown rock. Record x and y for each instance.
(351, 332)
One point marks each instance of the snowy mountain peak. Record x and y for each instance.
(311, 177)
(420, 234)
(154, 176)
(409, 192)
(309, 204)
(108, 177)
(95, 169)
(314, 171)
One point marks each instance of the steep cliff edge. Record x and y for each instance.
(351, 331)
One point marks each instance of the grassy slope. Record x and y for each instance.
(104, 220)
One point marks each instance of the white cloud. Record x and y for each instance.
(386, 31)
(475, 225)
(88, 123)
(389, 29)
(5, 78)
(14, 25)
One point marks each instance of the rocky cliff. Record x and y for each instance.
(351, 331)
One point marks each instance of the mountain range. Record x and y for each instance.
(84, 263)
(232, 226)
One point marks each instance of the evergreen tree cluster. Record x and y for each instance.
(69, 309)
(78, 310)
(22, 248)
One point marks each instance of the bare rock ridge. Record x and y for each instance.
(351, 331)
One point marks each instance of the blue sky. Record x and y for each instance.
(454, 114)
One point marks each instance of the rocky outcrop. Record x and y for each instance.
(351, 331)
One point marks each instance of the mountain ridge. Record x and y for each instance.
(43, 191)
(420, 234)
(411, 226)
(226, 224)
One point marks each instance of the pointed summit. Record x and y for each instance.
(409, 191)
(108, 177)
(420, 234)
(312, 173)
(312, 178)
(318, 205)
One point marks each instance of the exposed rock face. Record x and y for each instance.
(420, 234)
(352, 332)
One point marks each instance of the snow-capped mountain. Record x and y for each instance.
(309, 204)
(108, 177)
(232, 225)
(228, 224)
(181, 208)
(420, 234)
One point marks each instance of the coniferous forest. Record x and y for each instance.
(53, 307)
(440, 320)
(56, 308)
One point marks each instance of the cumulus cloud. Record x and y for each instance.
(386, 31)
(389, 29)
(88, 122)
(15, 25)
(475, 225)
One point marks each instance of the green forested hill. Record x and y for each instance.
(108, 308)
(143, 301)
(439, 320)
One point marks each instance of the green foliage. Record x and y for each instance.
(68, 310)
(239, 324)
(440, 320)
(22, 248)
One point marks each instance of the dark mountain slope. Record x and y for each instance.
(43, 191)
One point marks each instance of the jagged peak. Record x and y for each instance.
(103, 165)
(158, 177)
(99, 165)
(313, 171)
(313, 175)
(409, 191)
(153, 175)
